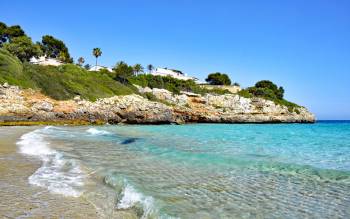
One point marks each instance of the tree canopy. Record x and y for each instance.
(218, 79)
(81, 61)
(150, 67)
(264, 89)
(137, 68)
(55, 48)
(8, 33)
(96, 52)
(23, 48)
(123, 71)
(265, 86)
(3, 28)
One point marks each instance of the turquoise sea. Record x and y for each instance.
(198, 170)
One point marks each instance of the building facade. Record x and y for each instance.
(43, 60)
(98, 68)
(172, 73)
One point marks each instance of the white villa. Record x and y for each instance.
(43, 60)
(99, 67)
(172, 73)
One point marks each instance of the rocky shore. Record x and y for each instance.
(26, 106)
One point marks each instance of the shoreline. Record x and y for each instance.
(35, 202)
(109, 187)
(101, 123)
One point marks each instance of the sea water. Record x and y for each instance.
(198, 170)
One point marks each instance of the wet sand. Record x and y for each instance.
(19, 199)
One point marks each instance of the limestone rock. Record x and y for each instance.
(42, 106)
(17, 104)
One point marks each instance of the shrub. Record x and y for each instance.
(23, 48)
(245, 93)
(218, 79)
(268, 85)
(122, 72)
(172, 84)
(270, 91)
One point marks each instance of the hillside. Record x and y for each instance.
(60, 83)
(103, 99)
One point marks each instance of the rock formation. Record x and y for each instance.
(28, 105)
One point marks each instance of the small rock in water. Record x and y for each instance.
(129, 141)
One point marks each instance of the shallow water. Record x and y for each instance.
(197, 171)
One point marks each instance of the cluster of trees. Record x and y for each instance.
(123, 71)
(169, 83)
(218, 79)
(55, 48)
(265, 89)
(14, 40)
(119, 67)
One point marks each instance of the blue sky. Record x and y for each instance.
(301, 45)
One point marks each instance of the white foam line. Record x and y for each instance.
(131, 197)
(94, 131)
(57, 174)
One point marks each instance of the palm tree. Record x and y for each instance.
(96, 52)
(137, 68)
(81, 61)
(119, 64)
(150, 68)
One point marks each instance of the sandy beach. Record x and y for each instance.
(19, 198)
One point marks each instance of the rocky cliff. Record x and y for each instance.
(17, 105)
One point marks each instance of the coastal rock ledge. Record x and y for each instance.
(23, 106)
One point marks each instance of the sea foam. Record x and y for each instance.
(57, 174)
(93, 131)
(131, 197)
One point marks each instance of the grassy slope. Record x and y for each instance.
(62, 82)
(11, 71)
(65, 82)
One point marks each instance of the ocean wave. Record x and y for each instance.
(57, 174)
(129, 198)
(94, 131)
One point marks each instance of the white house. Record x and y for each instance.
(43, 60)
(172, 73)
(98, 68)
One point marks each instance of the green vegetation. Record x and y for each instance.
(8, 33)
(171, 84)
(81, 61)
(55, 48)
(270, 91)
(23, 48)
(97, 53)
(218, 79)
(14, 40)
(122, 72)
(66, 81)
(62, 82)
(138, 69)
(152, 97)
(150, 68)
(11, 70)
